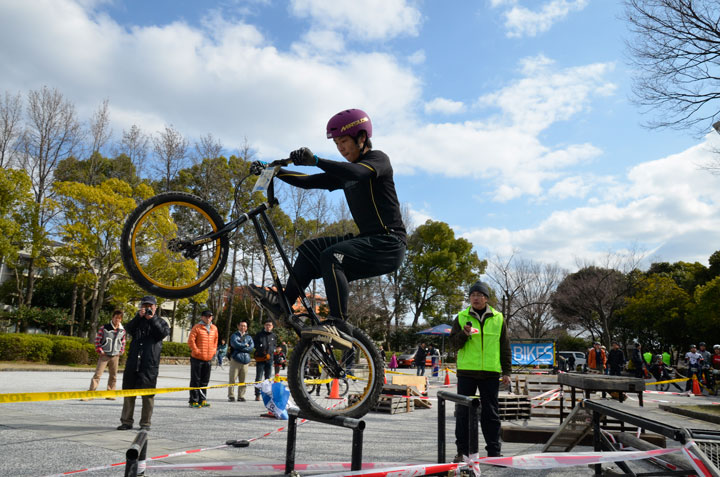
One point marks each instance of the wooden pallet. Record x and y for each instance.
(513, 407)
(394, 405)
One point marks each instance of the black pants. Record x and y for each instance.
(263, 371)
(199, 377)
(615, 370)
(339, 260)
(489, 414)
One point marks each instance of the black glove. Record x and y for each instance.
(257, 167)
(303, 157)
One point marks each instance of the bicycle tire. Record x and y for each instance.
(150, 228)
(362, 389)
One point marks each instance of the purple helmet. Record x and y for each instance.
(349, 123)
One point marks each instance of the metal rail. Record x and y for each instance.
(357, 426)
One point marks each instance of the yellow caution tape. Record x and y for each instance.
(70, 395)
(678, 380)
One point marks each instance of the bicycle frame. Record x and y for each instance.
(257, 215)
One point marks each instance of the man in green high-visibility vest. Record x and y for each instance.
(479, 334)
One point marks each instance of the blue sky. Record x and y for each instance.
(510, 120)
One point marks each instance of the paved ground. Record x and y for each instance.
(45, 438)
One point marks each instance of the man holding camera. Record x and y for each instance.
(479, 334)
(148, 331)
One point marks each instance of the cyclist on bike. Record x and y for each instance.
(367, 181)
(715, 359)
(659, 370)
(694, 362)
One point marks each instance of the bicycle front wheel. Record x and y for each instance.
(150, 245)
(351, 397)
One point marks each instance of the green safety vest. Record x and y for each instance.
(482, 350)
(648, 357)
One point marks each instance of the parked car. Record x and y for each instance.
(405, 360)
(580, 361)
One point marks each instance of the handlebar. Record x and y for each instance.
(280, 162)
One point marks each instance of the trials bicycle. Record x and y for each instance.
(176, 245)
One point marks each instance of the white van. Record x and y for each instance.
(580, 361)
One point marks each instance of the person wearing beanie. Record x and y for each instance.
(479, 335)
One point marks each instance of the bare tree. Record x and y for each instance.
(502, 271)
(52, 134)
(534, 312)
(208, 147)
(100, 133)
(591, 297)
(676, 53)
(10, 115)
(171, 153)
(134, 144)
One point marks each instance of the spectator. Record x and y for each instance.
(278, 359)
(647, 358)
(616, 360)
(203, 341)
(705, 364)
(393, 362)
(221, 352)
(637, 361)
(571, 362)
(241, 344)
(694, 363)
(419, 359)
(147, 331)
(110, 345)
(667, 359)
(479, 334)
(265, 343)
(597, 358)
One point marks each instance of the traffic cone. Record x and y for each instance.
(696, 386)
(447, 378)
(334, 390)
(384, 378)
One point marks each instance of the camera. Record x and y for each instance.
(148, 312)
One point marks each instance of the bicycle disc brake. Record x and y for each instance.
(184, 247)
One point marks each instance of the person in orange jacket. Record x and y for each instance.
(597, 359)
(203, 342)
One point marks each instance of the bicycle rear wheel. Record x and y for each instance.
(356, 395)
(152, 251)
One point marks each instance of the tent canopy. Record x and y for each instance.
(440, 330)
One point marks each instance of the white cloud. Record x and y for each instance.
(226, 78)
(444, 106)
(369, 20)
(667, 205)
(521, 21)
(417, 58)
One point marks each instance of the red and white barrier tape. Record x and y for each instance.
(271, 467)
(176, 454)
(540, 396)
(523, 462)
(551, 398)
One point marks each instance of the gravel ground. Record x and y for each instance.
(45, 438)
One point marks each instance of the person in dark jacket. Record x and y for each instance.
(419, 359)
(241, 344)
(265, 344)
(147, 331)
(637, 361)
(616, 359)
